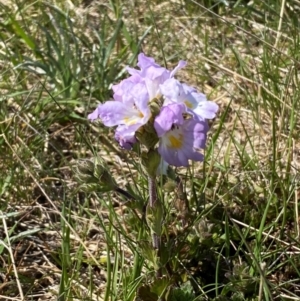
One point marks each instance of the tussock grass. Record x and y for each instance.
(63, 240)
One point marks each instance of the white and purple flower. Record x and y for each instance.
(181, 123)
(181, 139)
(196, 103)
(130, 108)
(153, 74)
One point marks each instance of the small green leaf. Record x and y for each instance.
(160, 285)
(149, 253)
(155, 217)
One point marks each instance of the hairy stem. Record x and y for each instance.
(153, 201)
(152, 192)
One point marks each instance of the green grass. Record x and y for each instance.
(64, 237)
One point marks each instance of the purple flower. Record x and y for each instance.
(113, 113)
(125, 139)
(196, 103)
(153, 74)
(123, 90)
(130, 108)
(180, 139)
(129, 115)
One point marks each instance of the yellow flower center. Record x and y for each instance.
(176, 141)
(130, 120)
(188, 104)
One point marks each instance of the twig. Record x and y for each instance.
(280, 23)
(9, 248)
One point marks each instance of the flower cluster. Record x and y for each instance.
(180, 124)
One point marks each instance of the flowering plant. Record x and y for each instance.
(151, 105)
(169, 119)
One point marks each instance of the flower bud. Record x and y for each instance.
(92, 174)
(84, 171)
(151, 161)
(147, 135)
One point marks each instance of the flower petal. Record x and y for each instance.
(122, 91)
(145, 61)
(116, 113)
(125, 137)
(153, 74)
(207, 109)
(94, 115)
(181, 64)
(196, 103)
(181, 144)
(168, 117)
